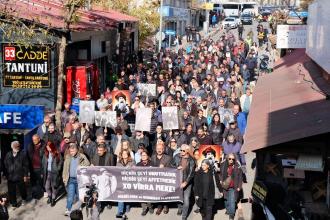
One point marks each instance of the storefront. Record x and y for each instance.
(289, 129)
(18, 122)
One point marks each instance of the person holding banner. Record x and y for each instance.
(145, 162)
(160, 159)
(186, 163)
(205, 184)
(125, 160)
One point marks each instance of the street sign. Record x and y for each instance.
(160, 35)
(170, 32)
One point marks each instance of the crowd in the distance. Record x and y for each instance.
(211, 85)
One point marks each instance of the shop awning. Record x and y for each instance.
(285, 107)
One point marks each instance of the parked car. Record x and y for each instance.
(246, 19)
(230, 21)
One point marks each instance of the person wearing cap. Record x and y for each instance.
(184, 162)
(205, 184)
(17, 167)
(234, 130)
(65, 143)
(73, 160)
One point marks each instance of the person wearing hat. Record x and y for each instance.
(205, 185)
(121, 105)
(233, 130)
(73, 160)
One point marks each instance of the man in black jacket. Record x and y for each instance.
(35, 154)
(160, 159)
(102, 157)
(186, 163)
(17, 167)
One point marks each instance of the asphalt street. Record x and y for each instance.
(40, 210)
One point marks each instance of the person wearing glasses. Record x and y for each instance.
(204, 189)
(186, 163)
(231, 181)
(43, 129)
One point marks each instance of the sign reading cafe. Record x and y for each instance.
(26, 67)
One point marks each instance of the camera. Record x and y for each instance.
(91, 196)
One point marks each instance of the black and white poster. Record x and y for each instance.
(136, 184)
(86, 111)
(143, 119)
(106, 119)
(147, 89)
(170, 118)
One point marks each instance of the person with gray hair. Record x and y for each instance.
(183, 161)
(72, 162)
(17, 167)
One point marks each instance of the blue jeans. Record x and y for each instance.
(186, 202)
(72, 190)
(230, 202)
(122, 208)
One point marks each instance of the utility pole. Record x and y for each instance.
(160, 26)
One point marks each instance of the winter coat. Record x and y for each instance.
(17, 167)
(56, 169)
(109, 160)
(198, 187)
(216, 132)
(237, 178)
(83, 161)
(188, 173)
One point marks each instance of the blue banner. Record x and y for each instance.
(21, 116)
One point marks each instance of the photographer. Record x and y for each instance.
(92, 205)
(3, 209)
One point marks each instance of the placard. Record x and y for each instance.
(86, 111)
(170, 118)
(106, 119)
(291, 36)
(143, 119)
(26, 67)
(136, 184)
(121, 100)
(147, 89)
(212, 152)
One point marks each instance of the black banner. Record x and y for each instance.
(26, 67)
(134, 184)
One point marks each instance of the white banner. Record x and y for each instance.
(106, 119)
(291, 36)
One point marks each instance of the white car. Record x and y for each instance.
(230, 21)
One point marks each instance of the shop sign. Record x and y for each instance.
(26, 67)
(20, 116)
(259, 191)
(291, 36)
